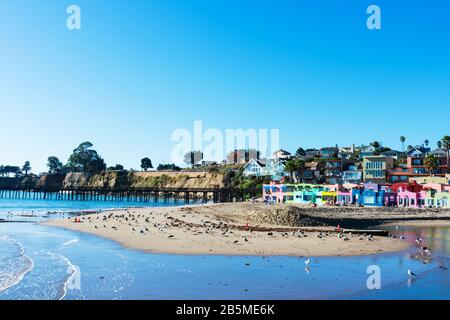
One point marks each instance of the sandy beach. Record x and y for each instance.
(248, 229)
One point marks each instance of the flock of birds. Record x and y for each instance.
(138, 223)
(142, 224)
(411, 275)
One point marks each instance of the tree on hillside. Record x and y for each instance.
(300, 152)
(146, 164)
(6, 170)
(86, 159)
(300, 166)
(375, 144)
(54, 165)
(168, 167)
(291, 168)
(26, 167)
(295, 165)
(402, 140)
(427, 142)
(117, 167)
(430, 163)
(446, 146)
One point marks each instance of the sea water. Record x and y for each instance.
(41, 262)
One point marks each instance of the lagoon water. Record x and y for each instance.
(40, 262)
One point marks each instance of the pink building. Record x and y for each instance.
(410, 195)
(274, 192)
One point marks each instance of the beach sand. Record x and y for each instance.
(225, 229)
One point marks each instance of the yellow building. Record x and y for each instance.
(375, 168)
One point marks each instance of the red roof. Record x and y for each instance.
(410, 186)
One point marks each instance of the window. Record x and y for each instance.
(369, 199)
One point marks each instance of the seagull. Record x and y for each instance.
(411, 274)
(419, 240)
(307, 263)
(402, 237)
(426, 250)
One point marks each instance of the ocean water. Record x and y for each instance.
(40, 262)
(40, 208)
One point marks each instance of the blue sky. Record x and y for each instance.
(139, 70)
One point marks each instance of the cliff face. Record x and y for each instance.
(176, 179)
(52, 181)
(23, 182)
(75, 179)
(119, 180)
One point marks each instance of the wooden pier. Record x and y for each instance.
(151, 194)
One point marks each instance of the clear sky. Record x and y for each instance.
(138, 70)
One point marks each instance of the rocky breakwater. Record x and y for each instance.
(345, 217)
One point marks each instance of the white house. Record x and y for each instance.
(281, 155)
(273, 169)
(253, 168)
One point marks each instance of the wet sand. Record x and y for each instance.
(225, 229)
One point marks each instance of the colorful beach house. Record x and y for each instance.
(373, 195)
(329, 194)
(437, 195)
(409, 194)
(304, 193)
(345, 195)
(274, 192)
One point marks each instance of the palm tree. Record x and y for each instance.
(402, 140)
(427, 142)
(446, 146)
(439, 144)
(430, 163)
(300, 166)
(291, 167)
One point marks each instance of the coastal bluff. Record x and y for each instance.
(116, 180)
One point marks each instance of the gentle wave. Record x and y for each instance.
(15, 267)
(68, 243)
(71, 273)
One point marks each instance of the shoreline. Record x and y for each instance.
(231, 230)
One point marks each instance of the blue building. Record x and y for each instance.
(373, 195)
